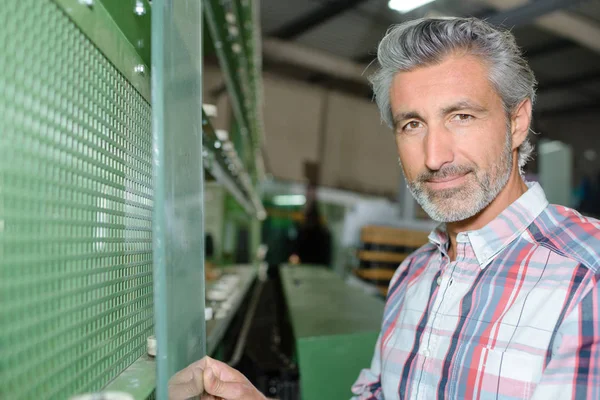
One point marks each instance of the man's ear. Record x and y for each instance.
(520, 121)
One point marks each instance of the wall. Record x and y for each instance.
(581, 131)
(292, 118)
(358, 151)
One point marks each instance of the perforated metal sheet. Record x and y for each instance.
(76, 202)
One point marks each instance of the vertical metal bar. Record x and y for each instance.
(178, 209)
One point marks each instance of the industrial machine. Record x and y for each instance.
(334, 329)
(105, 147)
(130, 216)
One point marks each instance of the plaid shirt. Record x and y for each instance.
(516, 316)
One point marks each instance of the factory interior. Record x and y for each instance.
(190, 178)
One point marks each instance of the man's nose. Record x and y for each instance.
(439, 148)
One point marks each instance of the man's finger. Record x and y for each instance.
(217, 387)
(187, 374)
(224, 371)
(183, 390)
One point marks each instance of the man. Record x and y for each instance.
(503, 301)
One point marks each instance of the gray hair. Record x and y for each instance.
(427, 41)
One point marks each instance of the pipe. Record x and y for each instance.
(291, 53)
(243, 337)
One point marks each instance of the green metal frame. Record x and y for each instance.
(76, 200)
(217, 21)
(227, 167)
(140, 46)
(216, 328)
(233, 27)
(123, 37)
(139, 380)
(134, 22)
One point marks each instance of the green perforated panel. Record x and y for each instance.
(76, 202)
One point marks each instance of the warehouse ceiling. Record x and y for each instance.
(332, 41)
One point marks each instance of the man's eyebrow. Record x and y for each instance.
(462, 105)
(402, 116)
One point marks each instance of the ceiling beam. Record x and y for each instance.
(520, 13)
(578, 29)
(528, 12)
(537, 51)
(314, 18)
(279, 51)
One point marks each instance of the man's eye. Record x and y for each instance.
(463, 117)
(411, 125)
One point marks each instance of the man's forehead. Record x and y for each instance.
(452, 67)
(443, 86)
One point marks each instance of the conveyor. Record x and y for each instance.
(335, 327)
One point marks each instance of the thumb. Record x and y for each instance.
(217, 387)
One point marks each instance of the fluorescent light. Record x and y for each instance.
(404, 6)
(289, 200)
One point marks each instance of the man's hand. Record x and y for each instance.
(209, 379)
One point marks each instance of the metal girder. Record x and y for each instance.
(308, 21)
(539, 51)
(570, 26)
(518, 15)
(529, 12)
(275, 50)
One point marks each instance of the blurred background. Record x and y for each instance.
(324, 141)
(322, 128)
(186, 177)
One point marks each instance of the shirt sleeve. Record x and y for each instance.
(573, 371)
(368, 384)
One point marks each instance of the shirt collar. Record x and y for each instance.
(488, 241)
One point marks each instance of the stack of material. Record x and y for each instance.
(383, 249)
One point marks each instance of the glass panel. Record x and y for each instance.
(178, 219)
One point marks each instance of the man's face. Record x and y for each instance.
(453, 137)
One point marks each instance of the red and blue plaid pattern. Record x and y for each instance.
(515, 316)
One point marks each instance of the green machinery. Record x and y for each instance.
(104, 149)
(335, 328)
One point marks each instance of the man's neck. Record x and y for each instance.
(515, 187)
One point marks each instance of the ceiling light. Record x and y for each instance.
(289, 200)
(404, 6)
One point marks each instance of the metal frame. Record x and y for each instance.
(526, 13)
(125, 39)
(306, 22)
(97, 22)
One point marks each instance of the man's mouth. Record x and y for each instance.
(446, 182)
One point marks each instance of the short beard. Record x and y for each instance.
(461, 203)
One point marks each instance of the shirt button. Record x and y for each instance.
(426, 353)
(439, 280)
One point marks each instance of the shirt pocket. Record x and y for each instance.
(511, 374)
